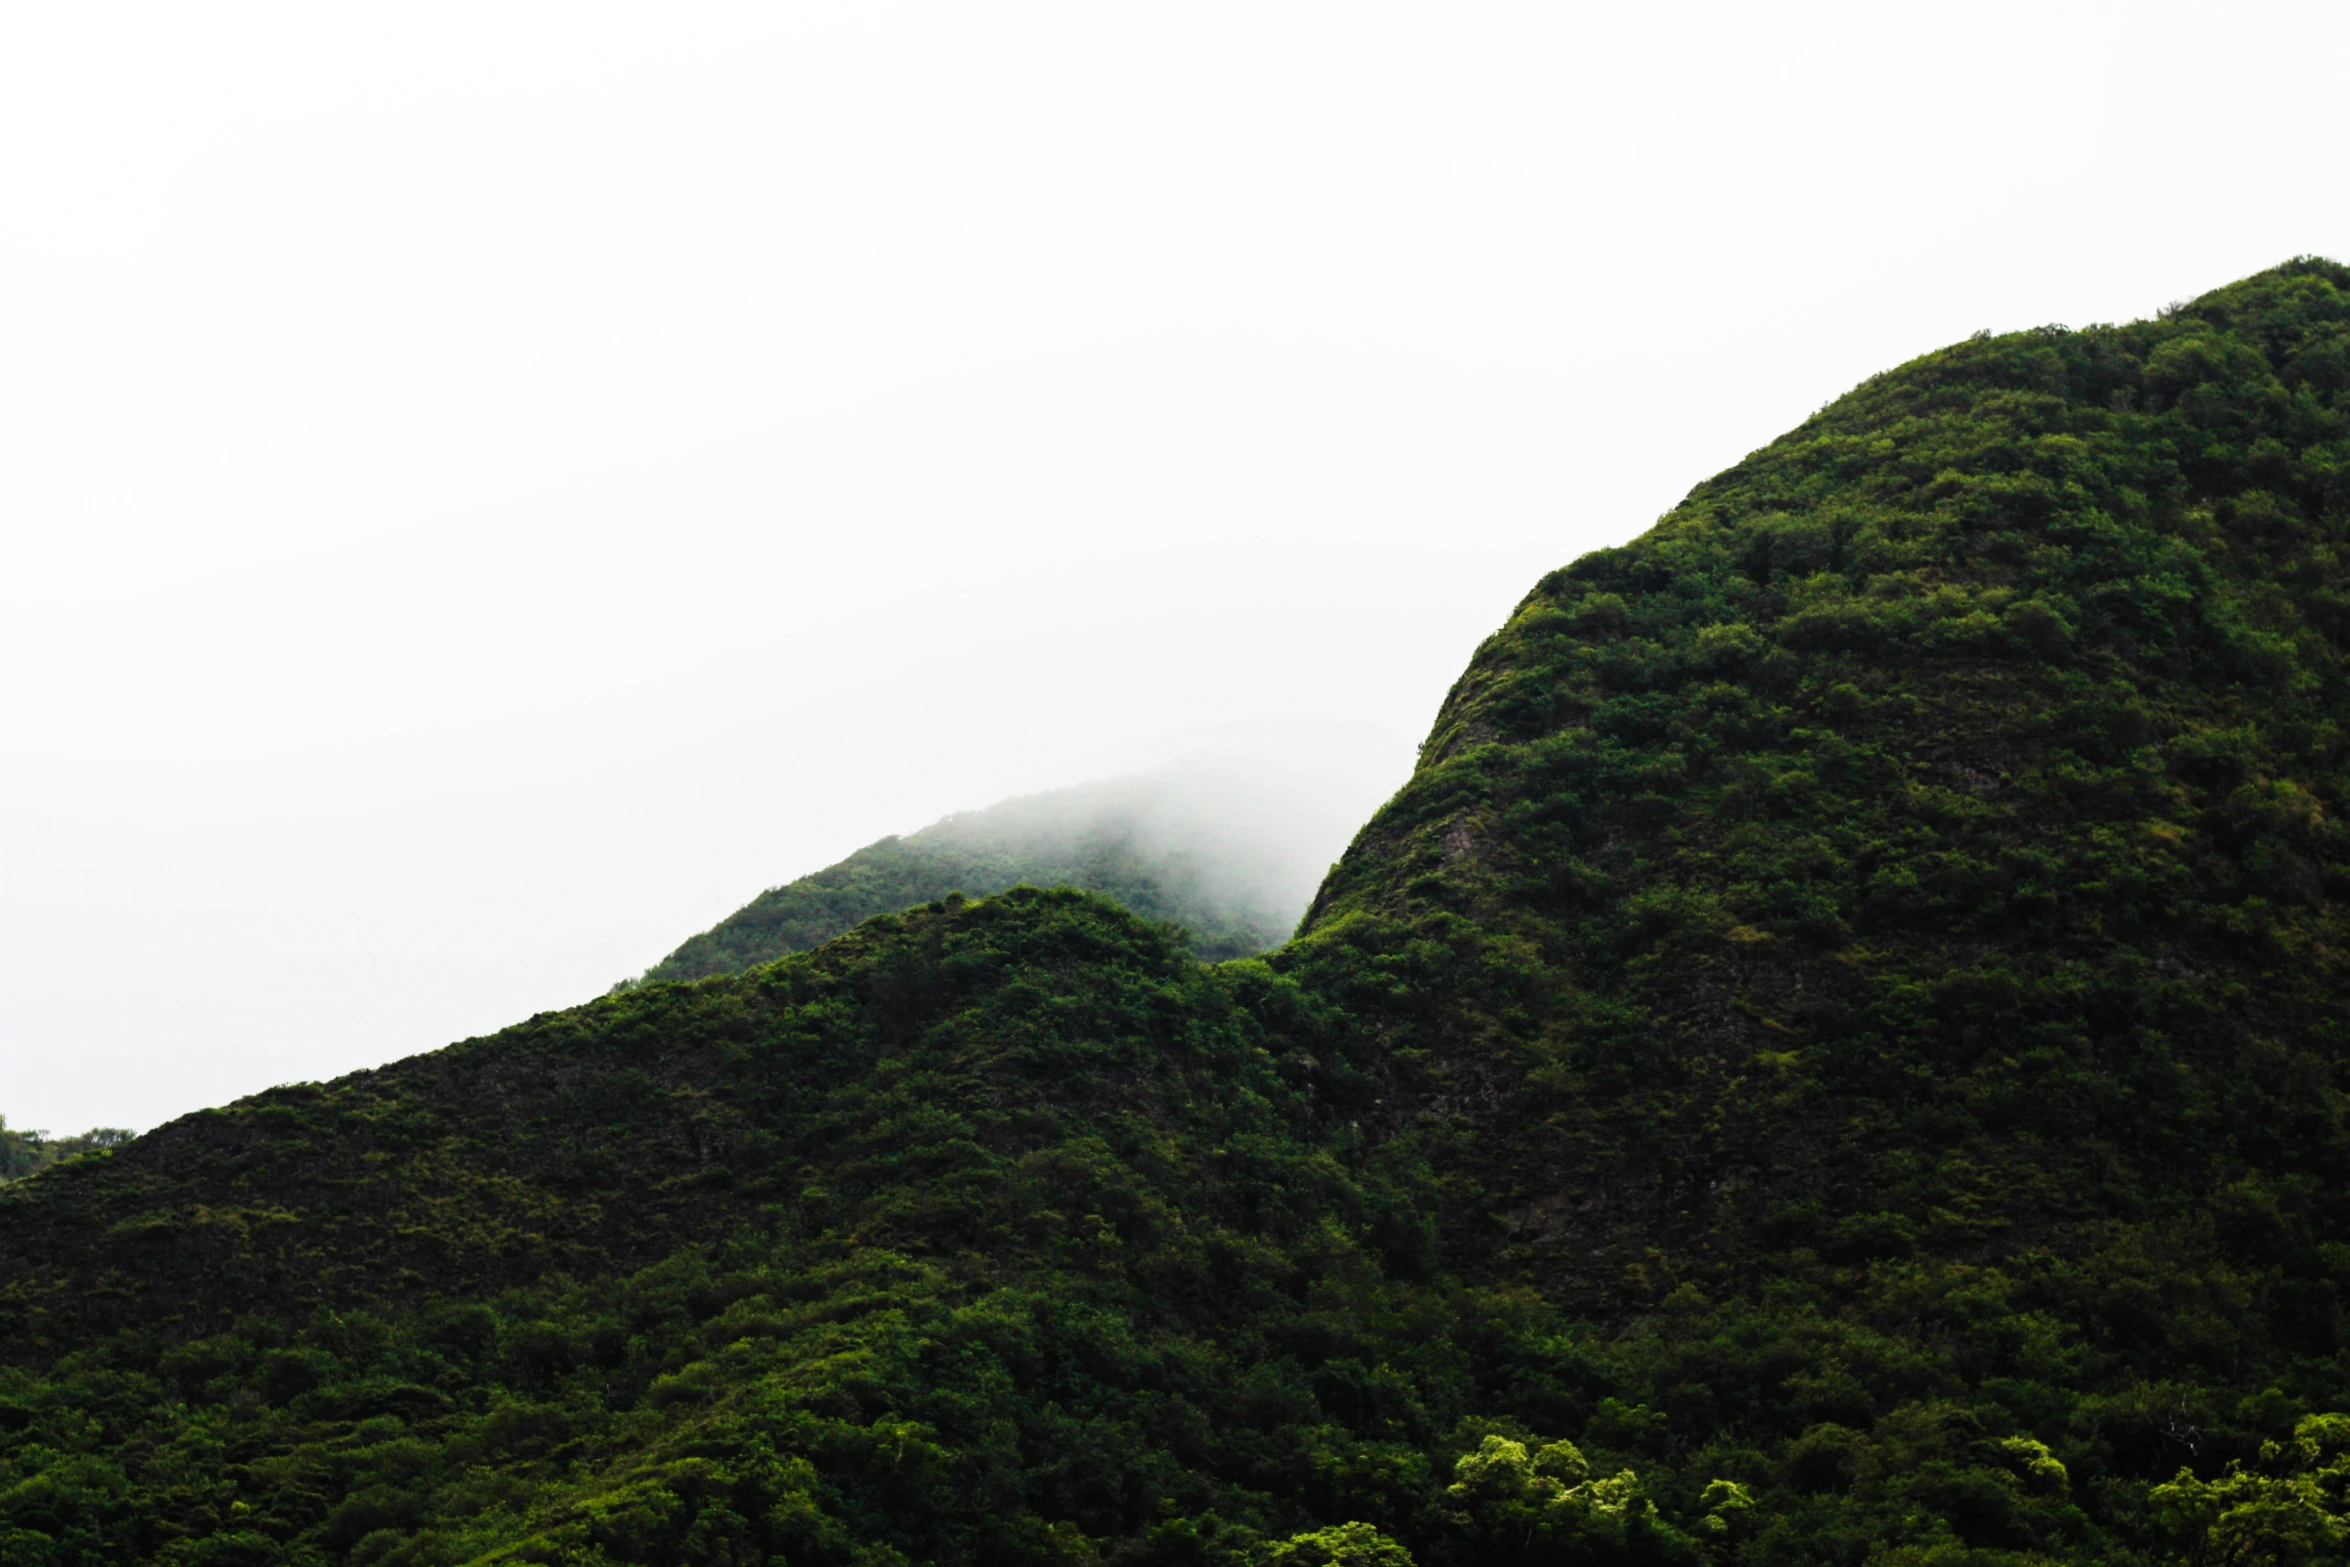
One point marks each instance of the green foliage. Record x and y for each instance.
(1008, 1202)
(1545, 1504)
(1348, 1545)
(1837, 1056)
(1942, 807)
(2294, 1506)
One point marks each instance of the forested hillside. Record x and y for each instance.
(1836, 1056)
(1181, 846)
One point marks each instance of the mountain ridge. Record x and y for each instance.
(1834, 1055)
(1181, 845)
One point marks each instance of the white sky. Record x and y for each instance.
(484, 489)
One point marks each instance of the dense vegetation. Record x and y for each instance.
(1836, 1056)
(1113, 838)
(21, 1153)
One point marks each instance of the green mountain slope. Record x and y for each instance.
(1936, 814)
(1835, 1056)
(1175, 846)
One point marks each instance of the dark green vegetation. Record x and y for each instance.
(1837, 1055)
(1119, 839)
(21, 1153)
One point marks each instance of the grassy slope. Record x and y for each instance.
(1849, 1004)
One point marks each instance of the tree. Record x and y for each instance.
(2293, 1507)
(1348, 1545)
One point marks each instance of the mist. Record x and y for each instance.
(488, 491)
(309, 912)
(1229, 847)
(1243, 837)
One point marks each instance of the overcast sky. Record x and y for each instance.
(487, 488)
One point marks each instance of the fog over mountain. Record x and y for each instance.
(1834, 1056)
(1229, 846)
(487, 491)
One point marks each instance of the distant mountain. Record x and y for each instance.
(23, 1153)
(1839, 1054)
(1211, 846)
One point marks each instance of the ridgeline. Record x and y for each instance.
(1126, 839)
(1835, 1056)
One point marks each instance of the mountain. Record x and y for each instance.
(1836, 1055)
(23, 1152)
(1218, 846)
